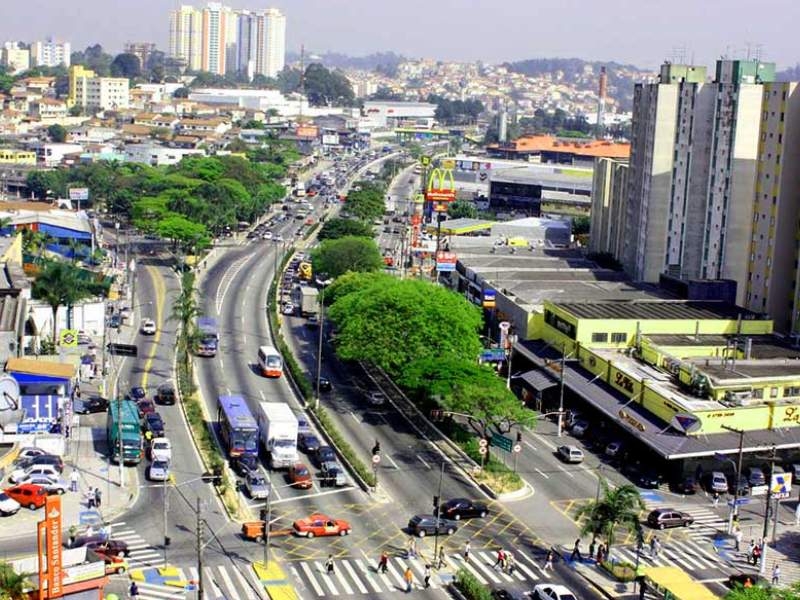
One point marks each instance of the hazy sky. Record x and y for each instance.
(642, 32)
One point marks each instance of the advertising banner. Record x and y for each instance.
(79, 193)
(445, 261)
(489, 298)
(52, 511)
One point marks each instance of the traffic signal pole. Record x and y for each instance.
(436, 513)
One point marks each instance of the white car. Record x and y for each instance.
(267, 235)
(8, 506)
(148, 327)
(570, 454)
(376, 398)
(552, 591)
(288, 309)
(579, 428)
(160, 449)
(48, 471)
(159, 470)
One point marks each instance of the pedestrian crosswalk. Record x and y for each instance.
(689, 555)
(220, 582)
(707, 523)
(355, 576)
(141, 554)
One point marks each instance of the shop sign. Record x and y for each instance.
(625, 416)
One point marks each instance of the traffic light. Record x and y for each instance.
(519, 437)
(376, 449)
(436, 506)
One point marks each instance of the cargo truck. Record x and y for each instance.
(278, 428)
(307, 298)
(123, 424)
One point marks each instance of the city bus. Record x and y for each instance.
(270, 361)
(209, 337)
(123, 424)
(238, 429)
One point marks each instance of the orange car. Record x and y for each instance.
(318, 525)
(28, 494)
(300, 476)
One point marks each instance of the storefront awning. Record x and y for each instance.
(538, 380)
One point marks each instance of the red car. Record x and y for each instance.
(319, 525)
(28, 494)
(145, 408)
(300, 476)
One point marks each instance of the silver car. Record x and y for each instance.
(257, 486)
(52, 485)
(159, 470)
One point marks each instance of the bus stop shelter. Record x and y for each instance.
(674, 584)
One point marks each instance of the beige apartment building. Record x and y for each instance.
(609, 187)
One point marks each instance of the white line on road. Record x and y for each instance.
(355, 418)
(529, 445)
(306, 496)
(263, 396)
(565, 471)
(394, 464)
(545, 442)
(542, 473)
(427, 466)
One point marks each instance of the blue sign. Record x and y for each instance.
(739, 502)
(444, 267)
(489, 298)
(493, 355)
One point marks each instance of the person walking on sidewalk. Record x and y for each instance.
(74, 477)
(756, 555)
(655, 547)
(383, 563)
(797, 515)
(97, 497)
(737, 538)
(501, 559)
(776, 574)
(329, 565)
(576, 551)
(408, 577)
(90, 498)
(715, 499)
(750, 549)
(601, 553)
(441, 562)
(509, 568)
(466, 552)
(427, 576)
(133, 591)
(548, 561)
(592, 546)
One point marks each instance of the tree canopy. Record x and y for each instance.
(57, 133)
(462, 209)
(337, 228)
(327, 88)
(338, 256)
(126, 65)
(60, 284)
(390, 322)
(456, 112)
(616, 506)
(366, 201)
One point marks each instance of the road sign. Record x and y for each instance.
(739, 502)
(758, 490)
(502, 442)
(781, 485)
(492, 355)
(482, 450)
(376, 458)
(517, 448)
(79, 193)
(482, 442)
(69, 338)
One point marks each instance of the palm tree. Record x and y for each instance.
(617, 506)
(59, 284)
(13, 585)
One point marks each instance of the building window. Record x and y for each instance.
(599, 338)
(619, 338)
(773, 392)
(759, 393)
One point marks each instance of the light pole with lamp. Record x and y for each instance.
(511, 339)
(323, 281)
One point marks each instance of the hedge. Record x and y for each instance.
(469, 585)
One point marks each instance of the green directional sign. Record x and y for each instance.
(502, 442)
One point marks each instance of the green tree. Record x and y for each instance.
(490, 406)
(57, 133)
(390, 322)
(365, 201)
(44, 183)
(181, 92)
(327, 88)
(580, 225)
(59, 284)
(126, 65)
(757, 593)
(179, 229)
(94, 58)
(237, 145)
(13, 585)
(462, 209)
(349, 253)
(616, 506)
(337, 227)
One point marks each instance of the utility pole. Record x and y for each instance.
(762, 567)
(734, 513)
(561, 391)
(199, 552)
(266, 531)
(436, 512)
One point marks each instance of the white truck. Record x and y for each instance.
(307, 298)
(278, 427)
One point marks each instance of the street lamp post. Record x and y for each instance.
(561, 391)
(322, 283)
(512, 339)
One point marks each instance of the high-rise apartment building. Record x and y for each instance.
(692, 172)
(223, 40)
(609, 189)
(50, 53)
(141, 50)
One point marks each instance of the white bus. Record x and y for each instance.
(270, 361)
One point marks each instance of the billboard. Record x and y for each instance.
(52, 512)
(445, 262)
(441, 189)
(79, 193)
(307, 131)
(330, 139)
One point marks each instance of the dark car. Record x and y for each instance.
(661, 518)
(92, 404)
(740, 487)
(648, 478)
(115, 321)
(508, 594)
(325, 384)
(43, 459)
(308, 443)
(422, 525)
(243, 464)
(154, 423)
(324, 454)
(146, 408)
(109, 547)
(165, 394)
(684, 485)
(459, 508)
(137, 393)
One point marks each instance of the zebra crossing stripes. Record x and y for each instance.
(688, 555)
(220, 582)
(141, 554)
(707, 523)
(353, 576)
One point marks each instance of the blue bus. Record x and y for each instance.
(238, 428)
(209, 337)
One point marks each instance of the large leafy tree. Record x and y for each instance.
(462, 209)
(57, 133)
(391, 323)
(327, 88)
(126, 65)
(336, 257)
(616, 506)
(337, 228)
(181, 230)
(366, 201)
(60, 284)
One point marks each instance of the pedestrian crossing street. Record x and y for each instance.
(142, 554)
(354, 576)
(220, 582)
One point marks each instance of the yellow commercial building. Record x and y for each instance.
(677, 375)
(10, 156)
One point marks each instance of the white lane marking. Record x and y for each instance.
(529, 445)
(545, 442)
(355, 418)
(565, 471)
(542, 473)
(263, 396)
(312, 579)
(427, 466)
(394, 464)
(354, 576)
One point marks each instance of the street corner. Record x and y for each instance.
(526, 491)
(273, 579)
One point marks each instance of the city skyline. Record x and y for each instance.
(623, 31)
